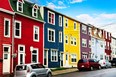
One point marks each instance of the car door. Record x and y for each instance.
(42, 70)
(96, 63)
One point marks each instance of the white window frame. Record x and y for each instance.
(60, 36)
(51, 18)
(73, 56)
(74, 40)
(6, 19)
(21, 52)
(33, 11)
(71, 40)
(19, 29)
(90, 31)
(66, 38)
(60, 20)
(66, 22)
(21, 6)
(84, 29)
(84, 41)
(51, 35)
(35, 54)
(36, 40)
(89, 43)
(54, 50)
(75, 26)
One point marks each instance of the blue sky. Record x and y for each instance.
(101, 13)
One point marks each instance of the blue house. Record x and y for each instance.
(53, 37)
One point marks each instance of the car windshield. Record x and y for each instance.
(20, 68)
(82, 61)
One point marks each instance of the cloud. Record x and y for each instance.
(103, 21)
(59, 5)
(76, 1)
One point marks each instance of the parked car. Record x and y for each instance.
(108, 64)
(32, 70)
(102, 63)
(88, 64)
(113, 62)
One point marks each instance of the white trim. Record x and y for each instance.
(60, 36)
(54, 50)
(66, 22)
(66, 39)
(9, 25)
(36, 54)
(84, 41)
(20, 25)
(75, 25)
(49, 29)
(36, 40)
(21, 52)
(60, 17)
(7, 11)
(73, 57)
(51, 19)
(47, 57)
(35, 11)
(18, 6)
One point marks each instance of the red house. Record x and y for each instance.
(21, 34)
(108, 51)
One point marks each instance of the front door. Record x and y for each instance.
(6, 59)
(46, 58)
(67, 62)
(61, 59)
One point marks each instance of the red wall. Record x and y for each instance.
(4, 40)
(27, 38)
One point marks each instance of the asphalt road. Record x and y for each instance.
(110, 72)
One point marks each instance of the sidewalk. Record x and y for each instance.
(68, 70)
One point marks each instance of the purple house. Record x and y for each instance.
(85, 38)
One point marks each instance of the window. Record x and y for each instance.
(84, 43)
(51, 18)
(35, 56)
(75, 43)
(34, 11)
(60, 37)
(20, 6)
(6, 27)
(17, 31)
(73, 58)
(51, 35)
(71, 38)
(21, 48)
(90, 31)
(89, 44)
(60, 21)
(54, 55)
(66, 22)
(75, 26)
(84, 29)
(36, 33)
(66, 39)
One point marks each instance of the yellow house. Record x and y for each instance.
(71, 42)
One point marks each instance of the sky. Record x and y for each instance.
(100, 13)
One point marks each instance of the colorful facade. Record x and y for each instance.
(53, 38)
(85, 39)
(71, 42)
(113, 47)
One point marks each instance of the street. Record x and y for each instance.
(110, 72)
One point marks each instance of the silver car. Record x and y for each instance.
(32, 70)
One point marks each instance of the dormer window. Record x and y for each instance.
(34, 11)
(20, 6)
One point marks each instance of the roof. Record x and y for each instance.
(27, 9)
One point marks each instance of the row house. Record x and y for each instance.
(21, 34)
(6, 19)
(85, 40)
(71, 42)
(53, 34)
(97, 43)
(113, 47)
(108, 51)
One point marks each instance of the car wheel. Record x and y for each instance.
(49, 75)
(99, 67)
(91, 68)
(33, 76)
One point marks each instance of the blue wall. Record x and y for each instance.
(56, 44)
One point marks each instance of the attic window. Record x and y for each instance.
(20, 6)
(34, 11)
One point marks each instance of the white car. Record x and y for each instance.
(32, 70)
(105, 63)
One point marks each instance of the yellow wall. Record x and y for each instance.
(68, 48)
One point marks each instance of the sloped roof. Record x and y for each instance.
(27, 9)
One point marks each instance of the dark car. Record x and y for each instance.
(88, 64)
